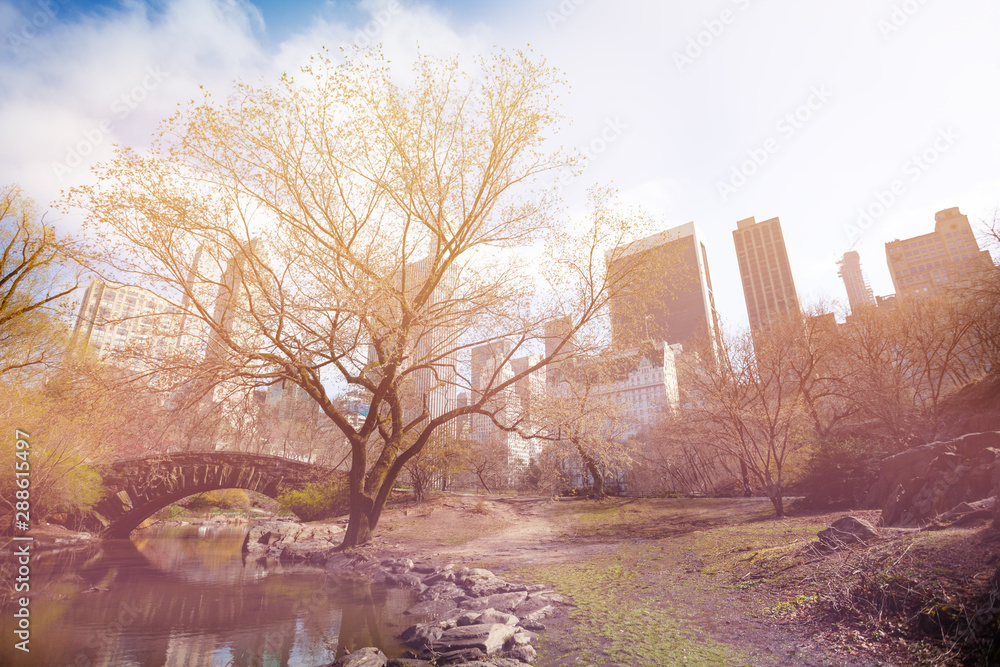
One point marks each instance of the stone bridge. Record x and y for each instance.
(139, 487)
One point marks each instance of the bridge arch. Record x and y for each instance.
(139, 487)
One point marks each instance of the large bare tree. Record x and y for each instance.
(361, 229)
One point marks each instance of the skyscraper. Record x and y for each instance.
(767, 276)
(119, 319)
(430, 363)
(947, 256)
(669, 297)
(510, 407)
(859, 294)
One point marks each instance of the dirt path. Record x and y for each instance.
(512, 535)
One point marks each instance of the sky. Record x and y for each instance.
(853, 122)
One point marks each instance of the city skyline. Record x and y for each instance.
(690, 116)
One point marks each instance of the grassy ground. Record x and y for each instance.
(719, 582)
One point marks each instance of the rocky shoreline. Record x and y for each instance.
(474, 616)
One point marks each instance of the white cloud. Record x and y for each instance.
(686, 127)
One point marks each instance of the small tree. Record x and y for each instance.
(488, 461)
(584, 415)
(749, 405)
(440, 460)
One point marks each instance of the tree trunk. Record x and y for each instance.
(597, 488)
(779, 507)
(483, 482)
(745, 476)
(361, 523)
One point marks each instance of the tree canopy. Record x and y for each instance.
(357, 229)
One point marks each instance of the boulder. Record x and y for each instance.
(506, 602)
(405, 580)
(310, 551)
(538, 605)
(461, 655)
(290, 540)
(486, 616)
(422, 635)
(444, 590)
(922, 483)
(522, 653)
(363, 657)
(846, 530)
(432, 608)
(409, 662)
(487, 637)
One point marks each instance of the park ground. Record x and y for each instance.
(712, 581)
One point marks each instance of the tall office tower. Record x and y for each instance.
(231, 309)
(119, 319)
(859, 294)
(767, 277)
(556, 331)
(669, 296)
(529, 389)
(433, 384)
(202, 283)
(947, 256)
(491, 364)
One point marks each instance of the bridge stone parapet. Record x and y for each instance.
(139, 487)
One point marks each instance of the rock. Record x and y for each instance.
(424, 568)
(487, 637)
(439, 577)
(925, 482)
(478, 583)
(443, 591)
(494, 616)
(486, 616)
(405, 581)
(462, 655)
(408, 662)
(501, 602)
(422, 635)
(523, 653)
(468, 618)
(292, 541)
(404, 564)
(311, 551)
(537, 606)
(363, 657)
(432, 608)
(495, 662)
(535, 626)
(846, 530)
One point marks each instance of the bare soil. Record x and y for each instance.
(722, 575)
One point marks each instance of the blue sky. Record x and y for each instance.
(705, 111)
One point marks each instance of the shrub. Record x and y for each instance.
(222, 498)
(841, 472)
(317, 501)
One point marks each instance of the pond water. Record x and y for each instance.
(183, 596)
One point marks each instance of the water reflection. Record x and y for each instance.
(183, 596)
